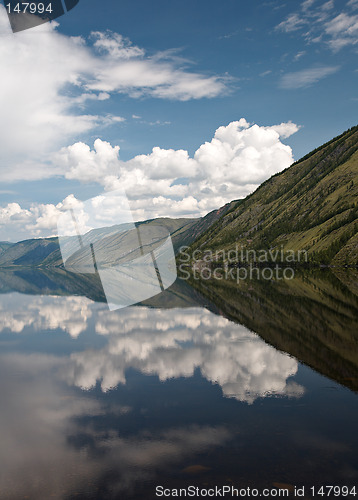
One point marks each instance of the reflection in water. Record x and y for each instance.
(167, 343)
(173, 343)
(314, 317)
(105, 405)
(36, 415)
(69, 314)
(39, 416)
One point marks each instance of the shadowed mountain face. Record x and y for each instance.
(313, 317)
(310, 206)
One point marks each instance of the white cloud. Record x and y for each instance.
(285, 130)
(343, 24)
(306, 77)
(299, 55)
(323, 25)
(328, 5)
(292, 23)
(166, 182)
(116, 45)
(47, 79)
(343, 30)
(307, 4)
(79, 162)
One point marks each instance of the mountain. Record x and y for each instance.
(312, 206)
(29, 252)
(45, 252)
(192, 232)
(4, 245)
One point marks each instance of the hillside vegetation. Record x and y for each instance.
(313, 317)
(312, 205)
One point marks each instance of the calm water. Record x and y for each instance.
(248, 385)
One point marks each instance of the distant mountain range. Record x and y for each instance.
(45, 252)
(312, 206)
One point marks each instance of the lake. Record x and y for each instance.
(249, 385)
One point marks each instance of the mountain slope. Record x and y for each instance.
(45, 252)
(29, 252)
(312, 205)
(4, 245)
(191, 232)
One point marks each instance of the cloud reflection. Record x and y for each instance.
(40, 415)
(168, 343)
(43, 313)
(51, 443)
(174, 343)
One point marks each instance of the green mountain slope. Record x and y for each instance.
(192, 232)
(312, 205)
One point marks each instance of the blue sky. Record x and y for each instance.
(168, 75)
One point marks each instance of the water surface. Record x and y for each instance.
(247, 385)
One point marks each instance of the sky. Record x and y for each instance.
(184, 105)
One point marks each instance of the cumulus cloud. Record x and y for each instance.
(167, 182)
(62, 74)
